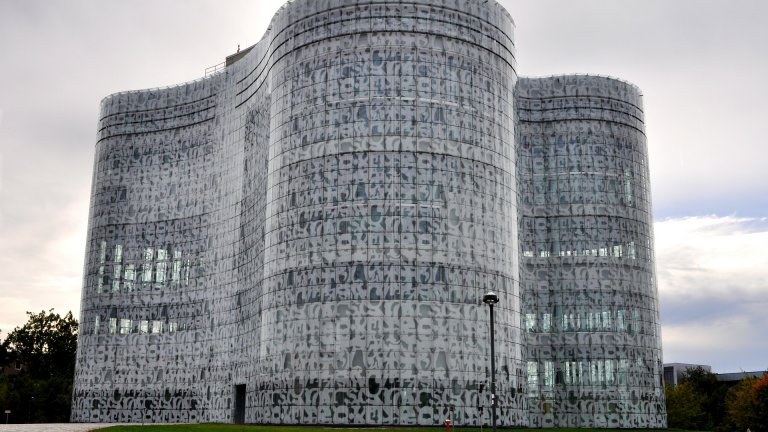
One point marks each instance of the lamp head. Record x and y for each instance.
(490, 298)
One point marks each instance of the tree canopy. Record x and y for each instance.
(746, 405)
(46, 344)
(700, 402)
(46, 347)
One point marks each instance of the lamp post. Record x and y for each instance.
(490, 298)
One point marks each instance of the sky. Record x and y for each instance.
(701, 65)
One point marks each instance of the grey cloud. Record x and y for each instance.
(713, 290)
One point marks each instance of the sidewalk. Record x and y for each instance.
(53, 427)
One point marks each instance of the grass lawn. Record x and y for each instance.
(217, 427)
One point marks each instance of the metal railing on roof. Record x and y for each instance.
(215, 68)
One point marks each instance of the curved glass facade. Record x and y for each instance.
(305, 237)
(590, 312)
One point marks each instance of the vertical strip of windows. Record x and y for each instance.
(118, 268)
(610, 372)
(623, 372)
(146, 271)
(176, 270)
(549, 373)
(533, 378)
(636, 323)
(621, 324)
(102, 259)
(187, 270)
(628, 196)
(607, 324)
(546, 322)
(129, 277)
(161, 266)
(583, 372)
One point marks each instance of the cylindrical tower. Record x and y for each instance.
(157, 313)
(590, 312)
(390, 211)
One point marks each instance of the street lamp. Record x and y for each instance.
(490, 298)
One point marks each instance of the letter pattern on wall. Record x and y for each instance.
(590, 312)
(305, 236)
(318, 222)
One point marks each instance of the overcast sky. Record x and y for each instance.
(702, 67)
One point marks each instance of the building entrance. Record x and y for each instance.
(239, 414)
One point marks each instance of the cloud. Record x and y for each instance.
(713, 286)
(703, 87)
(42, 268)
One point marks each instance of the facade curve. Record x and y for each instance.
(590, 310)
(305, 237)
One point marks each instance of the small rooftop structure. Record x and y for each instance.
(673, 372)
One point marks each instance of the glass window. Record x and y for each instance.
(125, 326)
(610, 372)
(631, 250)
(549, 373)
(530, 322)
(102, 252)
(546, 322)
(621, 324)
(176, 272)
(623, 375)
(130, 275)
(533, 377)
(157, 326)
(187, 271)
(118, 270)
(607, 325)
(100, 277)
(628, 195)
(147, 267)
(161, 266)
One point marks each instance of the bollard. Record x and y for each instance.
(447, 425)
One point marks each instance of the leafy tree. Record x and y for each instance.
(685, 406)
(760, 404)
(712, 392)
(45, 346)
(738, 405)
(747, 405)
(5, 356)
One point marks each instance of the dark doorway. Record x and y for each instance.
(239, 414)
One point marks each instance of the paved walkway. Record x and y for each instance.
(53, 427)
